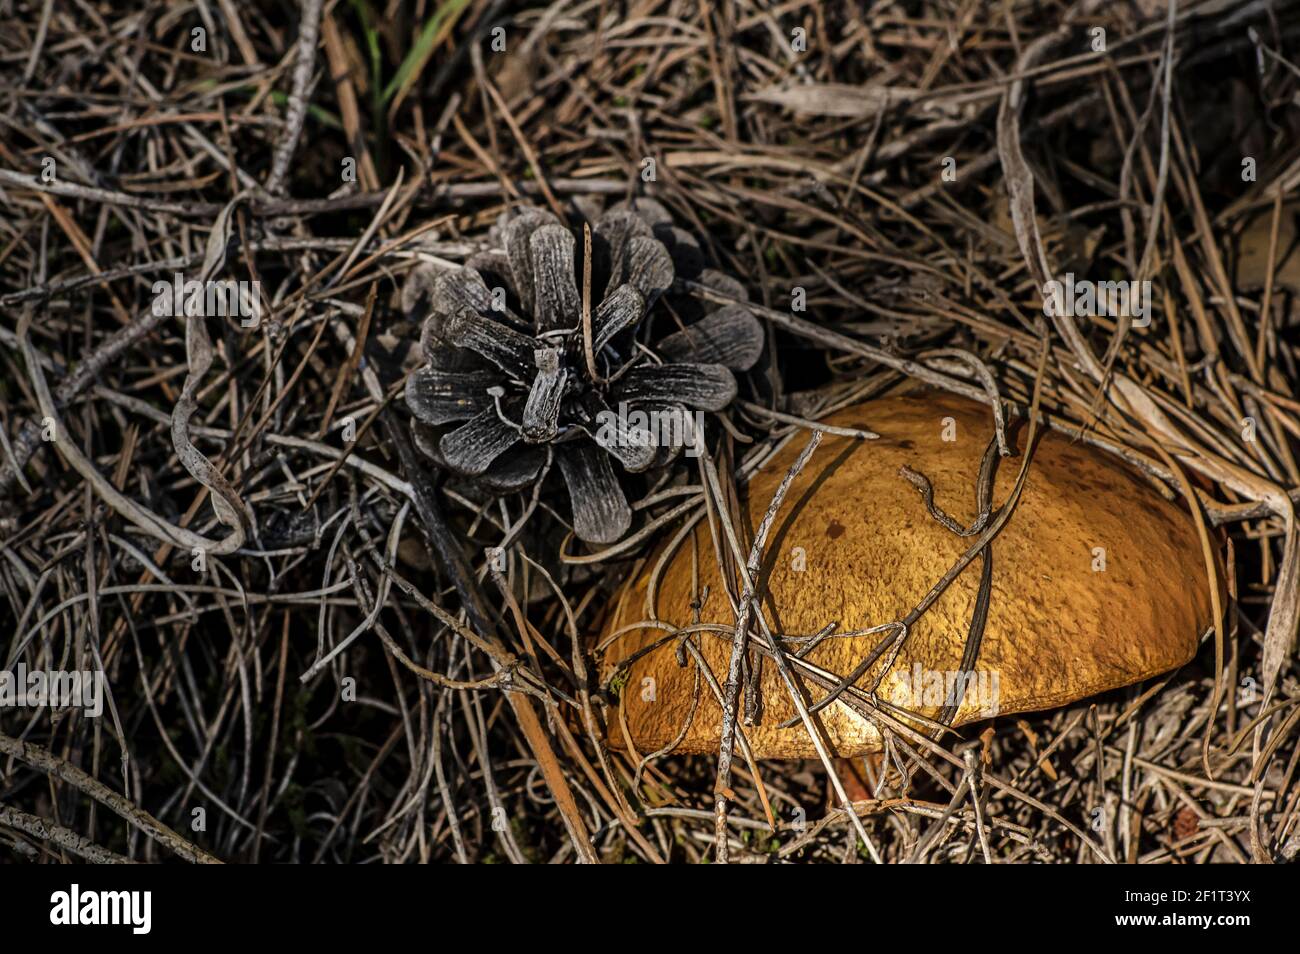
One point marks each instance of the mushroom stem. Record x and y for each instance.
(852, 774)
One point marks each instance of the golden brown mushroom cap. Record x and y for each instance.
(854, 544)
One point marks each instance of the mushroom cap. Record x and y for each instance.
(853, 544)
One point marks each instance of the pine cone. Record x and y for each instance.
(510, 374)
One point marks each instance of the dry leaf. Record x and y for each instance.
(835, 99)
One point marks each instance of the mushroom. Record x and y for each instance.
(1096, 582)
